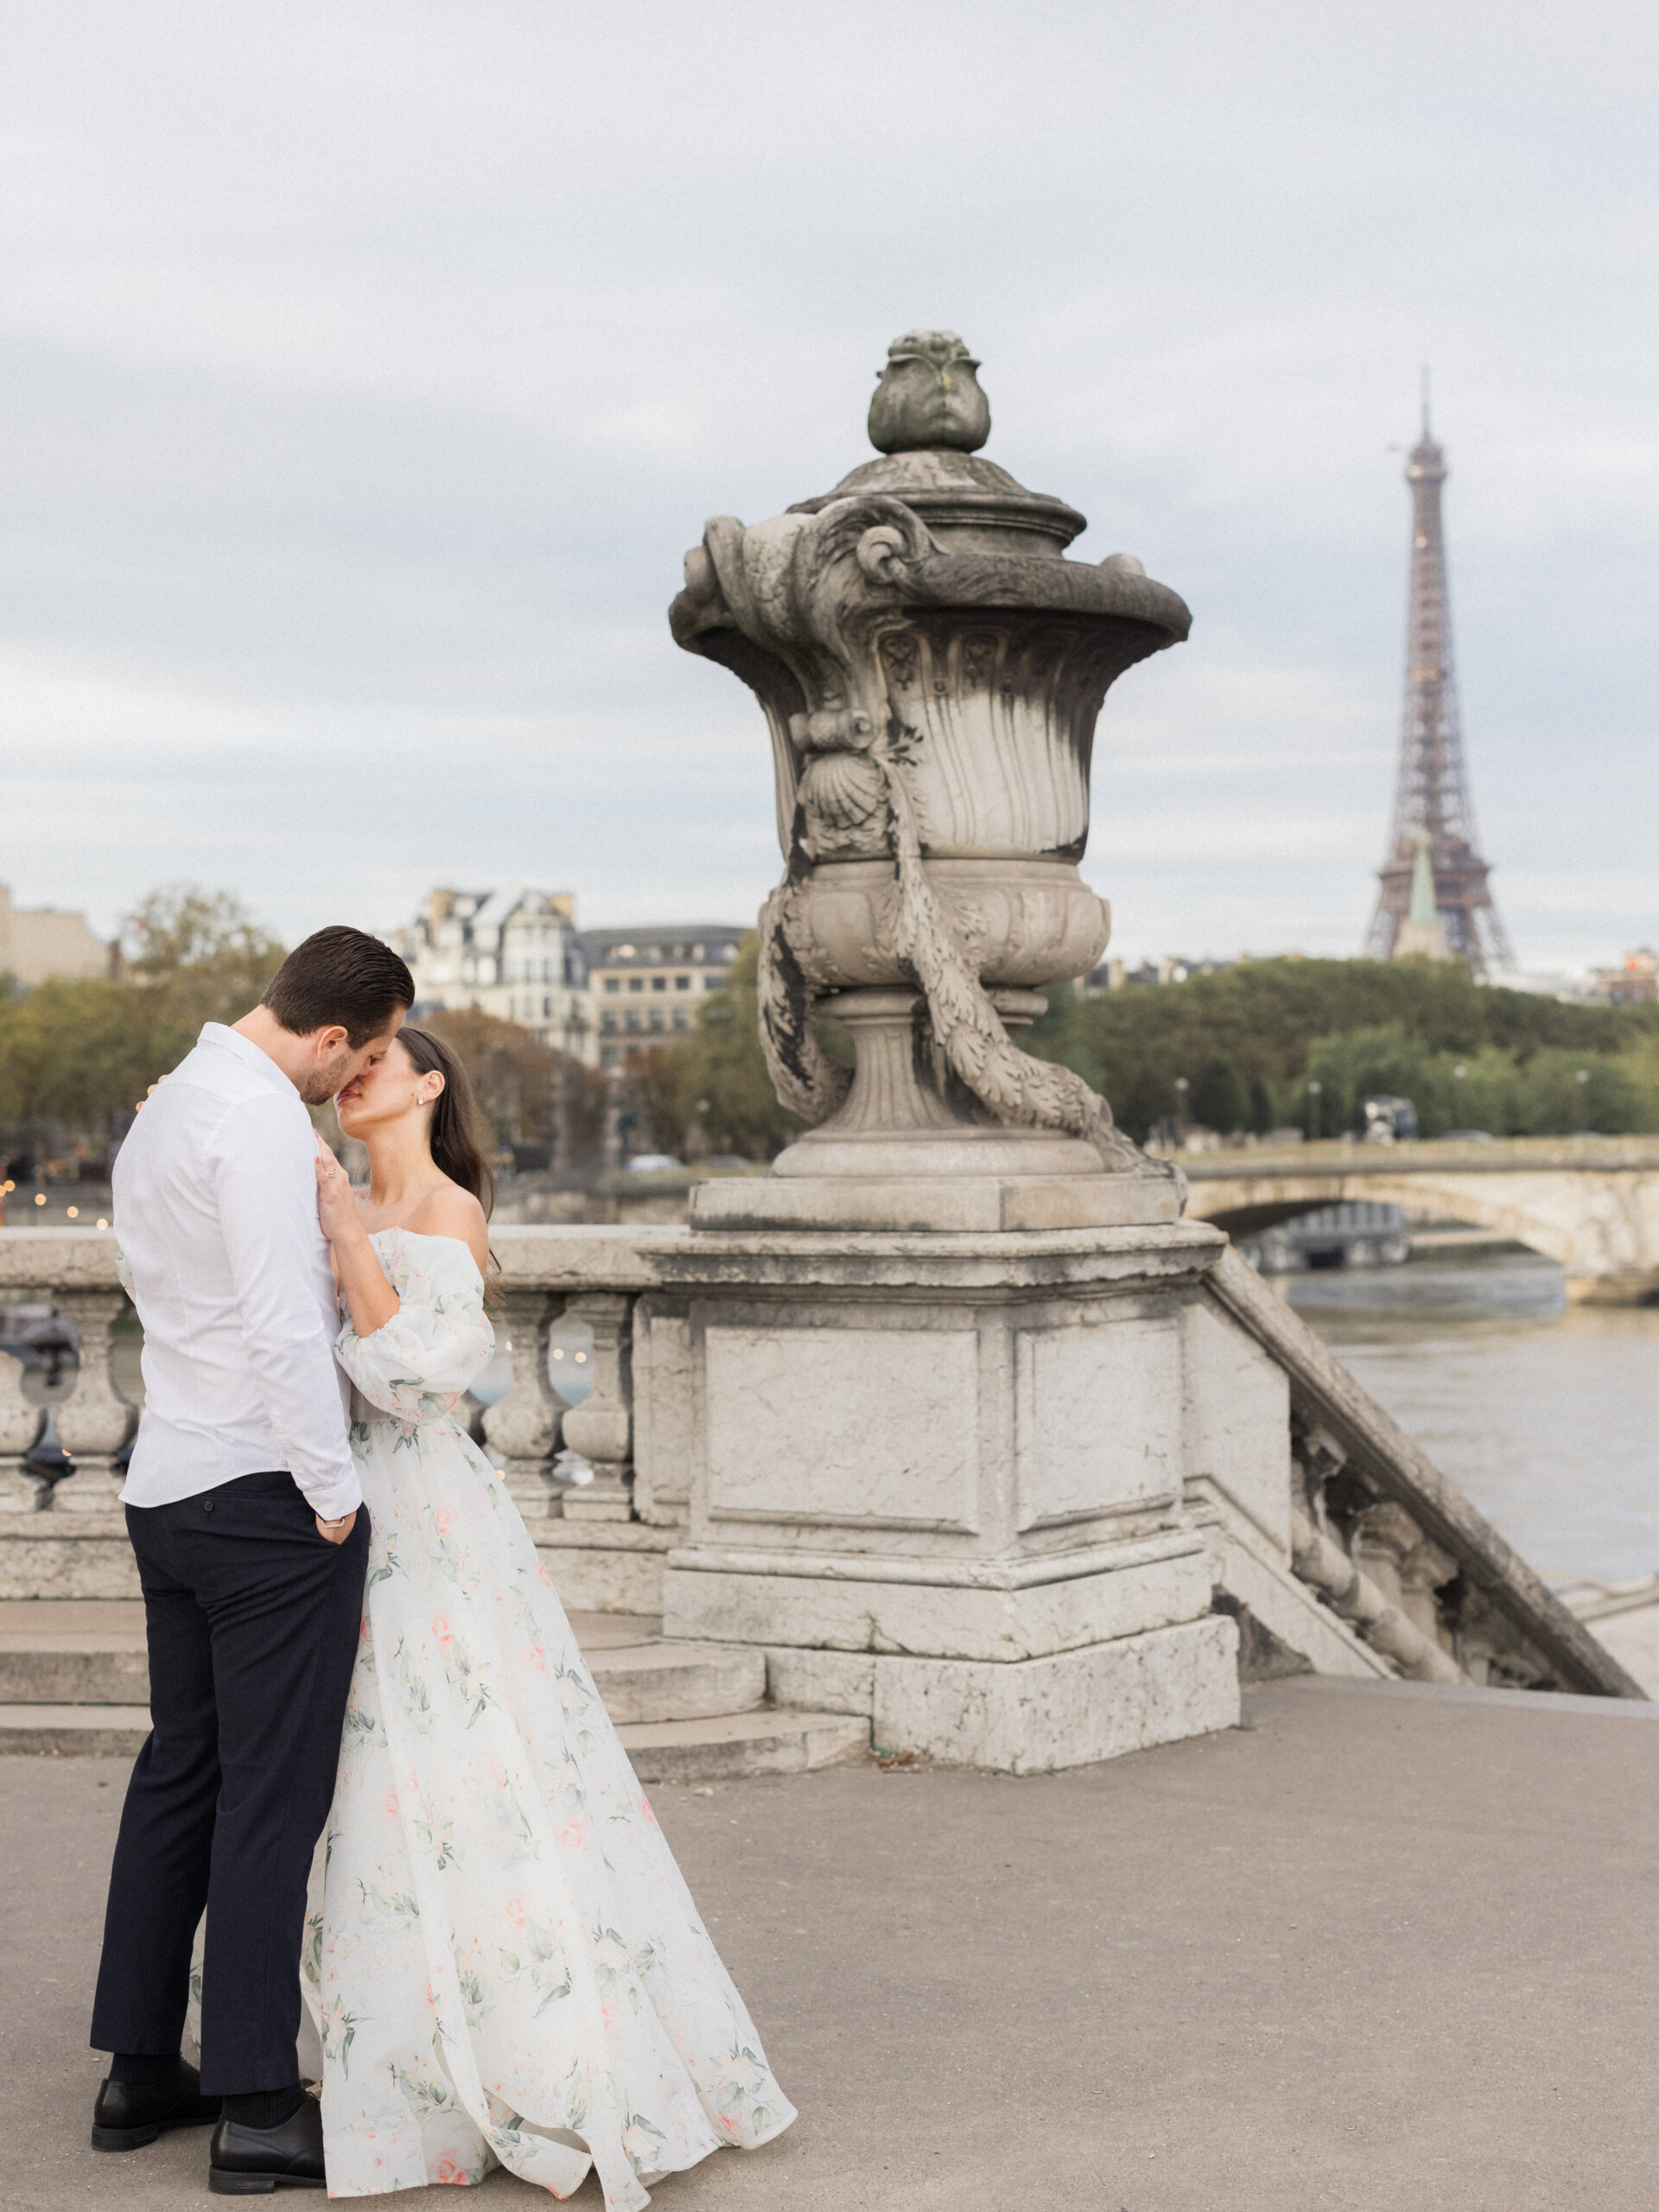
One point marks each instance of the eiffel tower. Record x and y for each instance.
(1432, 801)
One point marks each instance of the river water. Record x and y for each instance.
(1546, 1414)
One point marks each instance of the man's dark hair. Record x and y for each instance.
(339, 975)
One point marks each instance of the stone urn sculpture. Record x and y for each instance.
(932, 667)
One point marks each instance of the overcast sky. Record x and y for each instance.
(368, 369)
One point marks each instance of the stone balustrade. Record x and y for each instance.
(1421, 1585)
(21, 1489)
(1332, 1540)
(65, 1538)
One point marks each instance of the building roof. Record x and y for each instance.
(641, 940)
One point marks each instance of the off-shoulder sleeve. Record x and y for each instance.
(417, 1367)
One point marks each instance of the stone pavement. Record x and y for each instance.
(1386, 1946)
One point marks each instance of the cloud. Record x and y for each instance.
(367, 373)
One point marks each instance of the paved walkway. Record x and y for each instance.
(1384, 1950)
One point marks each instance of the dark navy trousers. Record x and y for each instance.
(253, 1620)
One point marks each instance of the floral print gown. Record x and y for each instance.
(503, 1958)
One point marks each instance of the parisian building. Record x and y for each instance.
(39, 945)
(648, 983)
(513, 952)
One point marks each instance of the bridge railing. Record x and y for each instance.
(1397, 1572)
(1390, 1544)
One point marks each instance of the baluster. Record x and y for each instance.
(21, 1490)
(600, 1428)
(96, 1420)
(524, 1426)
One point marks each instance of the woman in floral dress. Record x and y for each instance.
(504, 1960)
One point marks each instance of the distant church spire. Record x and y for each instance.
(1431, 800)
(1423, 931)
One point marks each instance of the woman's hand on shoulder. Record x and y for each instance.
(451, 1211)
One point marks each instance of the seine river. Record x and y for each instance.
(1546, 1415)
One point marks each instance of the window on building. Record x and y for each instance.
(547, 1007)
(636, 982)
(632, 1019)
(607, 1022)
(682, 1019)
(682, 982)
(656, 1017)
(609, 1055)
(659, 982)
(613, 982)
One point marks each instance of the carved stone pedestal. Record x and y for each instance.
(928, 1203)
(940, 1480)
(908, 1150)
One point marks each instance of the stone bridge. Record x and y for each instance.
(1590, 1202)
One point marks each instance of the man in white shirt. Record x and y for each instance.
(246, 1518)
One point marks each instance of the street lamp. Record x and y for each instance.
(1315, 1089)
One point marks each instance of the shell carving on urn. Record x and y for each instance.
(932, 667)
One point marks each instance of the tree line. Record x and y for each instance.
(75, 1055)
(1265, 1045)
(1301, 1043)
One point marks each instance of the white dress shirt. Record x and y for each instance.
(216, 1213)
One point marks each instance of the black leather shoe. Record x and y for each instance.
(129, 2114)
(252, 2161)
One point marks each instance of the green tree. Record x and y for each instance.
(1218, 1099)
(1562, 1091)
(76, 1056)
(1265, 1017)
(527, 1092)
(1261, 1104)
(203, 950)
(715, 1080)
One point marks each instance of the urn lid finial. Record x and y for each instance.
(927, 398)
(928, 420)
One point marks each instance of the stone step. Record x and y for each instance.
(717, 1748)
(776, 1740)
(73, 1680)
(86, 1731)
(41, 1668)
(658, 1683)
(93, 1653)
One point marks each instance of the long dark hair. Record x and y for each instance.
(456, 1147)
